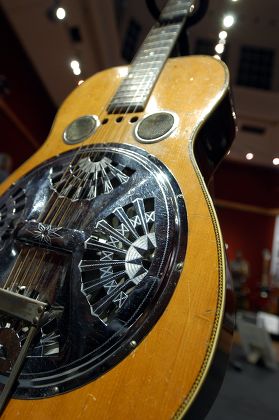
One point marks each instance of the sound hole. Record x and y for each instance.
(155, 127)
(80, 129)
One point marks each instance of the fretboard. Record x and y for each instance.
(135, 89)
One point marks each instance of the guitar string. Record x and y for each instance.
(113, 112)
(33, 273)
(108, 128)
(142, 83)
(152, 29)
(128, 109)
(147, 76)
(15, 268)
(27, 256)
(105, 115)
(138, 90)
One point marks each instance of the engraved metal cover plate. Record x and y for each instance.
(99, 234)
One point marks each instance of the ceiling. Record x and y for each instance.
(52, 44)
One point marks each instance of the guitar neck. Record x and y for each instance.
(134, 91)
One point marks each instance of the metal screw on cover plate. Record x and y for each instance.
(179, 266)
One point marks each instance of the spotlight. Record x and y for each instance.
(75, 64)
(223, 34)
(76, 71)
(219, 48)
(228, 21)
(249, 156)
(60, 13)
(55, 11)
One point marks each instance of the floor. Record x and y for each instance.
(248, 393)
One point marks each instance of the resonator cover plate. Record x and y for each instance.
(99, 233)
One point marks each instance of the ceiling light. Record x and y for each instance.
(219, 48)
(74, 64)
(217, 56)
(60, 13)
(223, 35)
(228, 21)
(249, 156)
(275, 161)
(80, 82)
(77, 71)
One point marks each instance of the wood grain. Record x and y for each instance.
(169, 366)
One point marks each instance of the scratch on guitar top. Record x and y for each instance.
(133, 354)
(88, 401)
(206, 315)
(209, 311)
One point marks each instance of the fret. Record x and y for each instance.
(152, 53)
(138, 93)
(137, 90)
(146, 60)
(146, 67)
(131, 87)
(164, 30)
(128, 104)
(156, 45)
(139, 74)
(128, 99)
(135, 79)
(147, 85)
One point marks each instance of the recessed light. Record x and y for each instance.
(223, 34)
(60, 13)
(74, 64)
(275, 161)
(219, 48)
(249, 156)
(228, 21)
(80, 82)
(76, 71)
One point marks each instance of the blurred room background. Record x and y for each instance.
(48, 47)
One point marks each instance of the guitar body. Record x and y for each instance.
(173, 365)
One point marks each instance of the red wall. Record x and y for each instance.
(247, 231)
(25, 96)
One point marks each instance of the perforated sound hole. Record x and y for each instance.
(80, 129)
(100, 239)
(155, 127)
